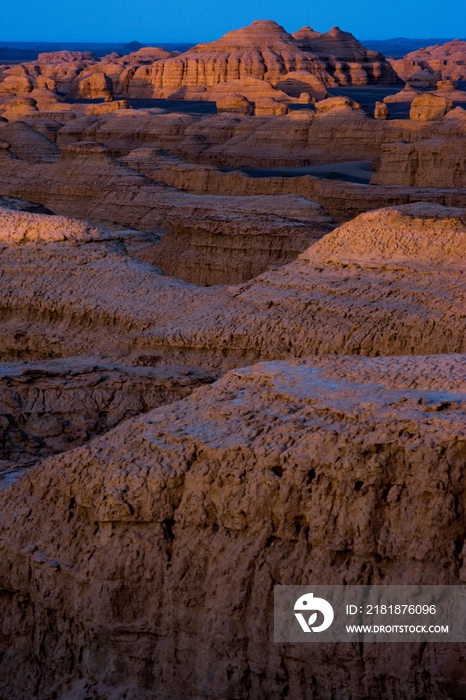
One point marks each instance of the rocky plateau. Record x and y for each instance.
(222, 370)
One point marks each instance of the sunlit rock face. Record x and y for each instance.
(266, 51)
(332, 299)
(304, 62)
(445, 62)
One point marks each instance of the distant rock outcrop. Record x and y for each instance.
(345, 57)
(96, 86)
(444, 62)
(407, 94)
(56, 57)
(307, 62)
(381, 111)
(266, 51)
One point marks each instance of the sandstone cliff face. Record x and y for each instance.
(299, 138)
(431, 162)
(64, 71)
(210, 240)
(313, 308)
(344, 200)
(345, 57)
(95, 86)
(212, 251)
(429, 108)
(143, 565)
(341, 132)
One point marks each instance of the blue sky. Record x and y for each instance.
(205, 20)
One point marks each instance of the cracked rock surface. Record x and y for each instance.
(148, 569)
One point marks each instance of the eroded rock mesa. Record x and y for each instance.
(307, 62)
(428, 65)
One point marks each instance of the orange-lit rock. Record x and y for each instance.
(234, 103)
(445, 62)
(407, 94)
(429, 107)
(381, 111)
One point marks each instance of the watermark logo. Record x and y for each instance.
(307, 603)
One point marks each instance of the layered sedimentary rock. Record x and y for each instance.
(128, 564)
(106, 193)
(266, 51)
(346, 59)
(433, 162)
(52, 406)
(95, 86)
(215, 251)
(407, 94)
(232, 140)
(336, 131)
(87, 182)
(445, 62)
(64, 71)
(344, 200)
(27, 143)
(427, 107)
(306, 62)
(402, 291)
(143, 565)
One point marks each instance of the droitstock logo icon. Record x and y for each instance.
(307, 603)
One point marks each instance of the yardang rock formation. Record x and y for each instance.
(224, 369)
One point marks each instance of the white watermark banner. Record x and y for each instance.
(370, 614)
